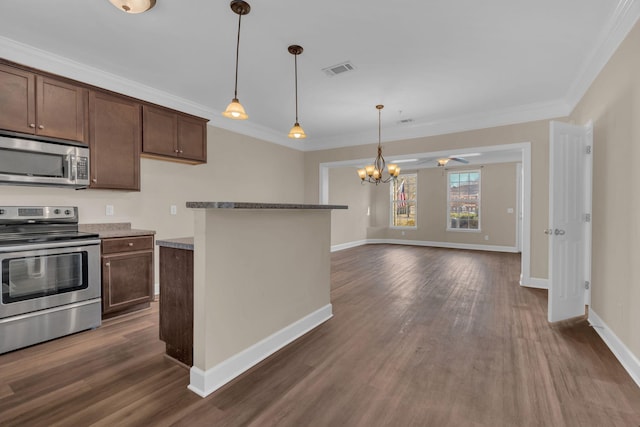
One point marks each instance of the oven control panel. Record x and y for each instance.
(38, 213)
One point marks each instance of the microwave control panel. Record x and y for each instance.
(83, 168)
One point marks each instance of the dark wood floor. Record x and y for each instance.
(419, 337)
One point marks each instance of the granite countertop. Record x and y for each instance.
(250, 205)
(178, 243)
(114, 229)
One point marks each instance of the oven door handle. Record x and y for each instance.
(38, 246)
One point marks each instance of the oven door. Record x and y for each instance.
(41, 276)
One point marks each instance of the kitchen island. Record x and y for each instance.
(261, 279)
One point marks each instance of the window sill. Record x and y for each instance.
(465, 230)
(402, 227)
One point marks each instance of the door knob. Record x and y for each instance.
(548, 231)
(559, 232)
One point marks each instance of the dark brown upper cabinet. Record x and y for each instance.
(41, 105)
(170, 135)
(115, 134)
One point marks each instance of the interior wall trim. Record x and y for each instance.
(450, 245)
(629, 361)
(534, 282)
(203, 383)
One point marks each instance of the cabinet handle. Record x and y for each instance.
(32, 125)
(40, 126)
(94, 180)
(108, 264)
(130, 244)
(176, 150)
(181, 151)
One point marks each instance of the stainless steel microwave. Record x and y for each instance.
(34, 162)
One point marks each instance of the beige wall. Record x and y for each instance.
(498, 193)
(613, 104)
(348, 225)
(255, 273)
(537, 133)
(239, 168)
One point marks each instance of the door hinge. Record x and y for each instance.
(586, 284)
(587, 217)
(588, 149)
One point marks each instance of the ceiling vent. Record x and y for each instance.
(342, 68)
(405, 121)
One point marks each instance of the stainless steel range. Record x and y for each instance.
(50, 275)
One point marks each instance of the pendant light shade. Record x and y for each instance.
(133, 6)
(235, 110)
(373, 173)
(296, 131)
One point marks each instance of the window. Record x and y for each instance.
(463, 197)
(403, 201)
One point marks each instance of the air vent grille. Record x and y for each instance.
(405, 121)
(342, 68)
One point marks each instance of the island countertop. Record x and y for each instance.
(254, 205)
(177, 243)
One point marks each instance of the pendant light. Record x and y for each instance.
(133, 6)
(373, 173)
(296, 131)
(235, 110)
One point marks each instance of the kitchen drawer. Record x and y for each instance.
(127, 244)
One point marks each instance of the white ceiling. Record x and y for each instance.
(447, 66)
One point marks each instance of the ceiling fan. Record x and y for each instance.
(444, 161)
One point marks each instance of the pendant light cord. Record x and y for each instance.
(235, 92)
(295, 61)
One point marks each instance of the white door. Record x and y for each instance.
(569, 214)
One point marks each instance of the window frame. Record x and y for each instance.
(393, 201)
(448, 207)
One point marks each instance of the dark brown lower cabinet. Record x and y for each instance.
(176, 303)
(127, 274)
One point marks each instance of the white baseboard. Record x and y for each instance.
(534, 282)
(342, 246)
(628, 360)
(449, 245)
(203, 383)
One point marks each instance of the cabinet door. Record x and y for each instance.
(61, 109)
(17, 100)
(115, 134)
(160, 131)
(127, 280)
(192, 138)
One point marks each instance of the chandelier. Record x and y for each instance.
(374, 173)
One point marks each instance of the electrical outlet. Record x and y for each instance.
(109, 210)
(486, 237)
(403, 233)
(174, 210)
(510, 210)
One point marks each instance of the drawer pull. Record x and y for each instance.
(130, 243)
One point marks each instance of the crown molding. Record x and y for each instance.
(622, 21)
(468, 122)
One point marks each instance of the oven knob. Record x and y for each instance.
(1, 211)
(56, 211)
(67, 212)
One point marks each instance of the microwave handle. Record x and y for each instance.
(73, 176)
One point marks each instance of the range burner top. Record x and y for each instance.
(27, 225)
(14, 239)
